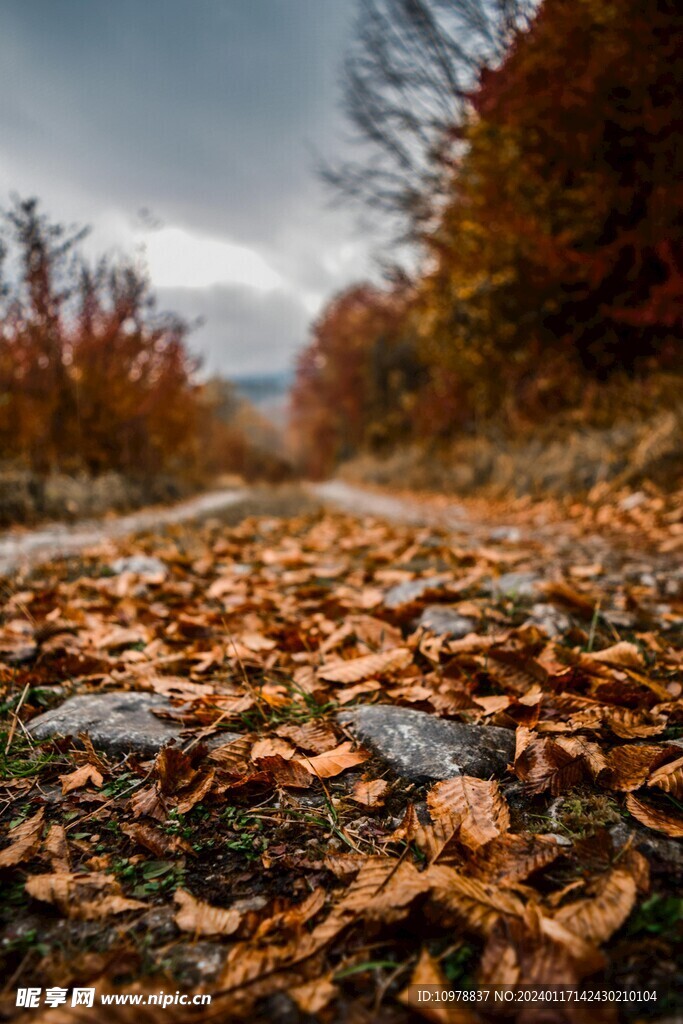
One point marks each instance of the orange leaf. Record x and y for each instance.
(660, 821)
(24, 840)
(354, 670)
(201, 918)
(669, 778)
(475, 806)
(327, 765)
(81, 777)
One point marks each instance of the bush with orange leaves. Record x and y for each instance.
(92, 377)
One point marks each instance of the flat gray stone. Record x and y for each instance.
(412, 590)
(443, 621)
(118, 722)
(141, 565)
(506, 533)
(515, 584)
(421, 746)
(548, 618)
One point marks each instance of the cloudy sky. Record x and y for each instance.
(190, 127)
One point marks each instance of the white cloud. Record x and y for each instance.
(179, 259)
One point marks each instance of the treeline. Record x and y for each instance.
(547, 212)
(93, 379)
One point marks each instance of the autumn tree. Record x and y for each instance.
(561, 245)
(407, 81)
(92, 377)
(358, 381)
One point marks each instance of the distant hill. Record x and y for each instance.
(267, 392)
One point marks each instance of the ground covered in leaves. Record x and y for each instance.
(269, 860)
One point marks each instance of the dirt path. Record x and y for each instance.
(342, 688)
(20, 547)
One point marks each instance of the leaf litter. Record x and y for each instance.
(324, 879)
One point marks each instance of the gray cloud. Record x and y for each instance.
(205, 113)
(244, 332)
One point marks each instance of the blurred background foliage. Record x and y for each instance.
(532, 159)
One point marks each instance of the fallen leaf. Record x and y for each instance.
(173, 769)
(474, 903)
(661, 821)
(287, 772)
(84, 897)
(331, 763)
(477, 806)
(56, 848)
(84, 775)
(201, 918)
(193, 794)
(628, 767)
(314, 996)
(669, 778)
(621, 655)
(628, 724)
(316, 737)
(271, 748)
(157, 842)
(370, 793)
(24, 840)
(597, 917)
(354, 670)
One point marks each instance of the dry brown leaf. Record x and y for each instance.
(294, 917)
(629, 724)
(512, 858)
(408, 828)
(562, 593)
(669, 778)
(476, 904)
(354, 670)
(84, 897)
(344, 865)
(271, 748)
(597, 917)
(661, 821)
(313, 737)
(383, 890)
(56, 848)
(628, 767)
(201, 918)
(477, 806)
(157, 842)
(370, 793)
(24, 840)
(545, 764)
(314, 996)
(84, 775)
(173, 769)
(349, 693)
(235, 755)
(195, 793)
(287, 772)
(148, 802)
(620, 655)
(331, 763)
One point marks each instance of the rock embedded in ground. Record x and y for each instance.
(548, 618)
(515, 584)
(118, 723)
(444, 621)
(412, 590)
(420, 746)
(141, 565)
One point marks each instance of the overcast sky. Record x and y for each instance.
(207, 114)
